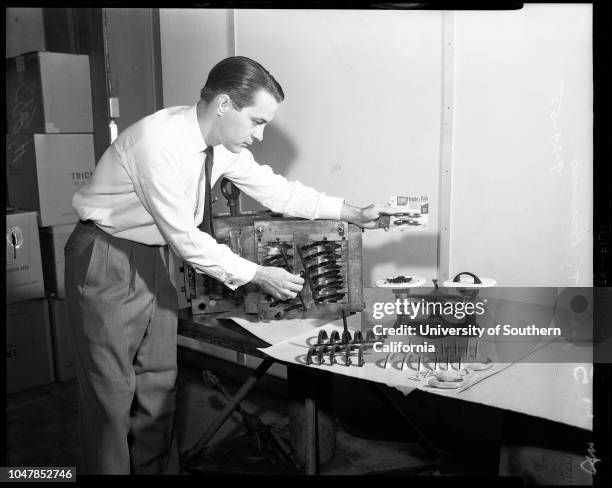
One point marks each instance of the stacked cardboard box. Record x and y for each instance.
(28, 343)
(52, 243)
(24, 275)
(29, 358)
(62, 341)
(44, 171)
(48, 93)
(49, 146)
(26, 30)
(49, 154)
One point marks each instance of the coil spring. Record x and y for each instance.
(323, 264)
(277, 255)
(276, 252)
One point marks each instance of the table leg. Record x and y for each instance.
(311, 418)
(310, 406)
(230, 407)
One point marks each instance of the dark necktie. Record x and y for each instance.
(207, 223)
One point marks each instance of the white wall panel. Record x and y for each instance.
(192, 42)
(521, 208)
(361, 118)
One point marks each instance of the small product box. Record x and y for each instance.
(63, 343)
(45, 170)
(24, 275)
(411, 212)
(52, 242)
(48, 93)
(29, 358)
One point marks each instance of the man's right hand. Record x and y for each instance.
(278, 282)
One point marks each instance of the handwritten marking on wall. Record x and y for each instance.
(574, 272)
(557, 149)
(578, 224)
(588, 464)
(582, 371)
(24, 109)
(577, 232)
(16, 150)
(585, 377)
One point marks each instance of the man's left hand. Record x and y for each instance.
(374, 216)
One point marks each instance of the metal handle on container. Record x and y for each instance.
(476, 279)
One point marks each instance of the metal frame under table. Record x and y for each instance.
(226, 333)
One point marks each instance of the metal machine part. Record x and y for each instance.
(326, 253)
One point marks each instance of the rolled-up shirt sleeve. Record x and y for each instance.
(157, 181)
(279, 194)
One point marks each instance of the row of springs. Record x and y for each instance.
(422, 365)
(322, 262)
(336, 345)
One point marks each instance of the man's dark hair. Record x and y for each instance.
(240, 78)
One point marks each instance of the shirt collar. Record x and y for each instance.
(193, 133)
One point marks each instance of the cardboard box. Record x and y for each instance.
(31, 29)
(29, 360)
(24, 275)
(48, 93)
(64, 356)
(44, 171)
(52, 242)
(25, 31)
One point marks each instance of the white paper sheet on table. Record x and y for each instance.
(277, 331)
(544, 389)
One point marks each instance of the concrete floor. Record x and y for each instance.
(41, 427)
(41, 422)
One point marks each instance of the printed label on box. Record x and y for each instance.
(411, 212)
(24, 277)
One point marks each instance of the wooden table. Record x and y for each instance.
(220, 332)
(310, 391)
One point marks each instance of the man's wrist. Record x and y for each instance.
(257, 276)
(242, 273)
(351, 214)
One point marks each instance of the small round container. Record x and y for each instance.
(397, 283)
(466, 279)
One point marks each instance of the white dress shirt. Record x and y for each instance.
(145, 189)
